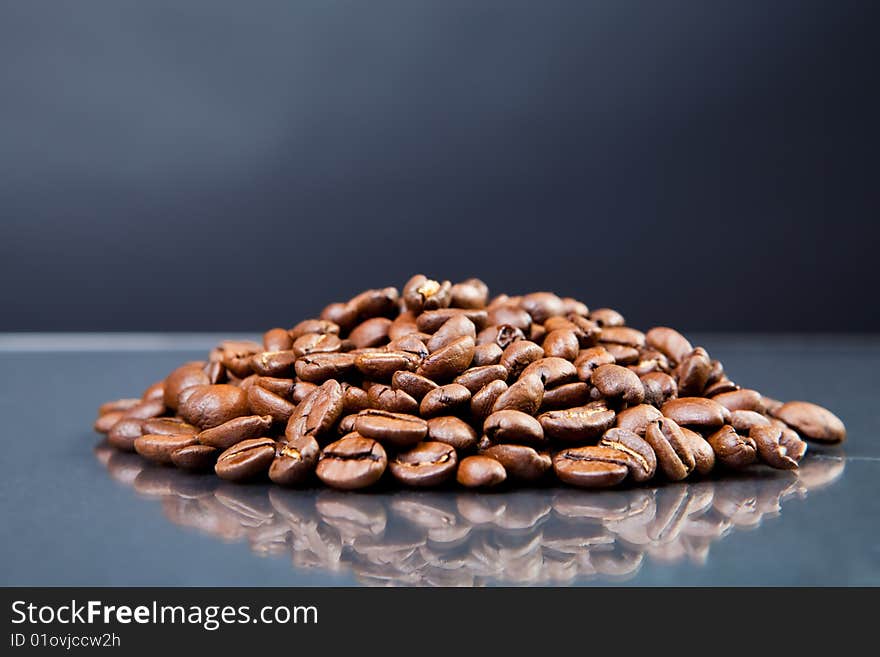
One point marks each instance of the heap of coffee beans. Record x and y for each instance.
(439, 384)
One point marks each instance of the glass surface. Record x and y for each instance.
(76, 512)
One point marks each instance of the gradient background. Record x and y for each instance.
(710, 165)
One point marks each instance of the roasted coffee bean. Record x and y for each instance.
(741, 400)
(154, 392)
(553, 371)
(449, 361)
(649, 361)
(520, 354)
(606, 317)
(317, 368)
(210, 405)
(386, 398)
(431, 320)
(537, 334)
(426, 464)
(346, 424)
(483, 401)
(622, 335)
(480, 472)
(581, 424)
(352, 462)
(616, 382)
(721, 386)
(525, 395)
(659, 388)
(575, 307)
(637, 418)
(421, 293)
(674, 456)
(381, 366)
(185, 376)
(812, 422)
(354, 399)
(145, 410)
(229, 433)
(402, 325)
(123, 434)
(159, 447)
(344, 315)
(511, 426)
(396, 429)
(777, 447)
(642, 462)
(281, 387)
(772, 405)
(168, 426)
(471, 293)
(236, 356)
(415, 385)
(704, 456)
(313, 343)
(502, 335)
(274, 363)
(731, 449)
(312, 326)
(591, 467)
(542, 306)
(370, 333)
(324, 409)
(249, 459)
(520, 462)
(196, 458)
(510, 315)
(294, 461)
(118, 405)
(589, 359)
(457, 326)
(693, 373)
(106, 421)
(623, 355)
(567, 395)
(277, 339)
(375, 303)
(561, 343)
(669, 342)
(475, 378)
(696, 412)
(743, 421)
(263, 402)
(487, 354)
(445, 400)
(452, 431)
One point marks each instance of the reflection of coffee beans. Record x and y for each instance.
(439, 382)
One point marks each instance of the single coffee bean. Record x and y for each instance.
(501, 335)
(168, 426)
(480, 472)
(704, 456)
(445, 400)
(210, 405)
(123, 434)
(155, 391)
(777, 447)
(344, 315)
(487, 354)
(375, 303)
(670, 342)
(674, 456)
(159, 448)
(317, 368)
(386, 398)
(518, 355)
(281, 387)
(537, 334)
(606, 317)
(381, 366)
(525, 395)
(370, 333)
(591, 467)
(512, 426)
(587, 331)
(743, 421)
(510, 315)
(616, 382)
(426, 464)
(195, 458)
(475, 378)
(324, 409)
(217, 373)
(696, 412)
(246, 460)
(415, 385)
(106, 421)
(520, 462)
(741, 400)
(412, 343)
(693, 372)
(731, 449)
(771, 405)
(346, 423)
(542, 306)
(225, 435)
(274, 363)
(641, 460)
(575, 307)
(421, 293)
(471, 293)
(650, 360)
(457, 326)
(185, 376)
(552, 370)
(637, 418)
(567, 395)
(589, 359)
(449, 361)
(354, 399)
(721, 386)
(659, 388)
(311, 326)
(580, 424)
(294, 461)
(352, 462)
(118, 405)
(622, 335)
(623, 355)
(452, 431)
(483, 401)
(812, 421)
(263, 402)
(145, 410)
(402, 325)
(313, 343)
(277, 339)
(561, 343)
(396, 429)
(431, 320)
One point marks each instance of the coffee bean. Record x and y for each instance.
(525, 395)
(431, 320)
(512, 426)
(375, 303)
(475, 378)
(168, 426)
(674, 456)
(483, 401)
(381, 366)
(457, 326)
(123, 434)
(395, 429)
(445, 400)
(388, 399)
(623, 355)
(263, 402)
(105, 421)
(605, 317)
(704, 456)
(669, 342)
(281, 387)
(561, 343)
(731, 449)
(580, 424)
(452, 431)
(480, 472)
(591, 467)
(659, 388)
(777, 447)
(402, 325)
(421, 293)
(274, 363)
(294, 461)
(426, 464)
(501, 335)
(542, 305)
(567, 395)
(693, 373)
(145, 410)
(618, 383)
(311, 343)
(411, 344)
(589, 359)
(518, 355)
(185, 376)
(471, 293)
(812, 421)
(487, 354)
(520, 462)
(771, 405)
(637, 418)
(354, 399)
(352, 462)
(118, 405)
(159, 448)
(743, 421)
(741, 400)
(696, 412)
(415, 385)
(311, 326)
(196, 458)
(317, 368)
(343, 315)
(622, 335)
(246, 460)
(641, 460)
(553, 371)
(277, 339)
(510, 315)
(225, 435)
(449, 361)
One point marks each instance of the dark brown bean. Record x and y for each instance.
(696, 412)
(246, 460)
(281, 387)
(450, 361)
(381, 366)
(168, 426)
(659, 388)
(542, 306)
(159, 447)
(641, 460)
(445, 400)
(502, 335)
(623, 355)
(431, 320)
(693, 373)
(591, 467)
(487, 354)
(311, 326)
(396, 429)
(561, 343)
(457, 326)
(520, 462)
(510, 315)
(452, 431)
(118, 405)
(622, 335)
(263, 402)
(277, 339)
(229, 433)
(185, 376)
(471, 293)
(669, 342)
(372, 332)
(743, 421)
(525, 395)
(637, 418)
(484, 399)
(195, 458)
(294, 461)
(589, 359)
(475, 378)
(426, 464)
(480, 472)
(518, 355)
(674, 456)
(812, 421)
(211, 405)
(386, 398)
(580, 424)
(317, 368)
(314, 343)
(147, 409)
(704, 456)
(274, 363)
(616, 382)
(421, 293)
(352, 462)
(123, 434)
(779, 448)
(731, 449)
(511, 426)
(553, 371)
(415, 385)
(106, 421)
(741, 400)
(567, 395)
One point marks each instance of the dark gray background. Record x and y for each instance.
(705, 164)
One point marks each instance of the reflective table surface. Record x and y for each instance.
(76, 512)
